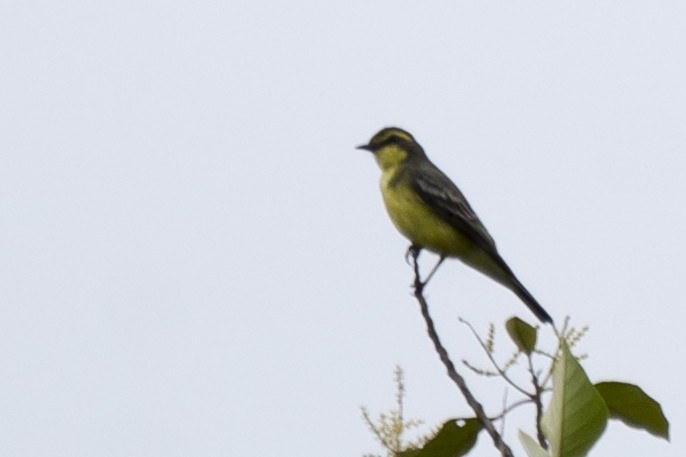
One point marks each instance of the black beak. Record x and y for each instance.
(366, 147)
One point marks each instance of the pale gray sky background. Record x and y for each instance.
(196, 260)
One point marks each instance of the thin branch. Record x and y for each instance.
(479, 371)
(495, 364)
(399, 395)
(513, 406)
(450, 367)
(559, 333)
(502, 424)
(538, 388)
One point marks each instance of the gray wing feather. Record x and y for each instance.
(439, 193)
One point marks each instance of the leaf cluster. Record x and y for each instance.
(574, 418)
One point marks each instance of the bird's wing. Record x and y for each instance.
(441, 195)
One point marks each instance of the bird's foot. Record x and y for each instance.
(412, 252)
(411, 257)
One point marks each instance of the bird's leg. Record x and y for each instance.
(438, 264)
(412, 251)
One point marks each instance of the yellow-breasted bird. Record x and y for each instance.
(430, 211)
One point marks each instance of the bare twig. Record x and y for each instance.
(538, 389)
(501, 372)
(399, 396)
(511, 407)
(479, 371)
(481, 416)
(502, 423)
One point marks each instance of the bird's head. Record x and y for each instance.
(392, 146)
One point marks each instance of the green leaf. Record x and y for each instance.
(531, 446)
(523, 334)
(452, 440)
(577, 415)
(629, 404)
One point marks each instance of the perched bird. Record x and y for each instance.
(430, 211)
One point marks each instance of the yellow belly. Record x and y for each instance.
(415, 220)
(418, 223)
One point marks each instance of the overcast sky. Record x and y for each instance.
(196, 260)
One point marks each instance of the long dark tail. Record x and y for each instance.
(509, 280)
(530, 301)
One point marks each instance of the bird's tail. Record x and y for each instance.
(530, 301)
